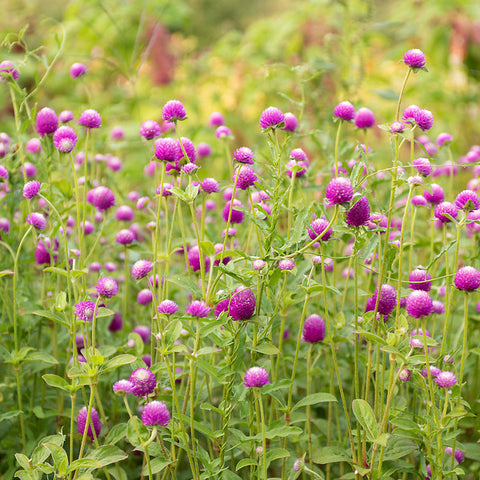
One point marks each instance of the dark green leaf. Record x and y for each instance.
(330, 455)
(118, 361)
(107, 454)
(314, 399)
(365, 416)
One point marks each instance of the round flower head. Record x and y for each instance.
(189, 148)
(122, 386)
(242, 304)
(34, 145)
(405, 375)
(245, 177)
(434, 371)
(65, 116)
(8, 68)
(117, 133)
(359, 214)
(166, 149)
(37, 220)
(272, 117)
(4, 225)
(125, 237)
(446, 379)
(190, 168)
(467, 200)
(256, 377)
(82, 422)
(216, 119)
(422, 165)
(141, 268)
(414, 58)
(420, 279)
(437, 195)
(194, 259)
(156, 413)
(298, 465)
(444, 139)
(210, 185)
(107, 287)
(344, 111)
(302, 165)
(397, 127)
(167, 307)
(438, 307)
(424, 119)
(77, 70)
(286, 264)
(419, 304)
(150, 129)
(103, 198)
(318, 230)
(46, 121)
(198, 309)
(313, 329)
(64, 139)
(236, 216)
(459, 455)
(223, 132)
(387, 299)
(258, 264)
(204, 149)
(291, 122)
(364, 118)
(124, 213)
(339, 190)
(42, 251)
(174, 110)
(90, 119)
(31, 189)
(143, 382)
(143, 331)
(144, 297)
(85, 310)
(243, 155)
(443, 209)
(467, 279)
(410, 113)
(3, 172)
(116, 323)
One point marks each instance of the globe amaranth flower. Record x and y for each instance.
(291, 122)
(414, 58)
(85, 310)
(245, 177)
(444, 139)
(405, 375)
(397, 127)
(297, 168)
(65, 116)
(446, 379)
(122, 386)
(166, 149)
(313, 329)
(8, 68)
(198, 308)
(434, 371)
(364, 118)
(223, 132)
(31, 189)
(193, 257)
(43, 250)
(204, 149)
(286, 264)
(116, 323)
(144, 332)
(150, 129)
(420, 279)
(174, 110)
(46, 121)
(344, 111)
(107, 287)
(189, 148)
(216, 119)
(125, 237)
(258, 264)
(145, 296)
(419, 304)
(90, 119)
(410, 113)
(244, 155)
(167, 307)
(256, 377)
(272, 117)
(467, 279)
(210, 185)
(318, 230)
(242, 304)
(358, 214)
(102, 198)
(436, 196)
(124, 213)
(141, 268)
(37, 220)
(34, 145)
(94, 419)
(424, 119)
(387, 299)
(458, 454)
(189, 169)
(467, 200)
(422, 165)
(156, 413)
(443, 209)
(236, 216)
(64, 139)
(143, 382)
(339, 190)
(77, 70)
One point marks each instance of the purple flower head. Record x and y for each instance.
(219, 249)
(34, 145)
(438, 307)
(410, 114)
(103, 198)
(82, 422)
(364, 118)
(387, 299)
(117, 133)
(256, 377)
(8, 68)
(419, 304)
(204, 149)
(167, 307)
(443, 209)
(46, 121)
(303, 165)
(167, 190)
(359, 214)
(4, 225)
(124, 213)
(397, 127)
(156, 413)
(319, 227)
(313, 329)
(237, 216)
(344, 111)
(194, 259)
(434, 371)
(90, 119)
(190, 168)
(77, 70)
(405, 375)
(143, 331)
(467, 200)
(122, 386)
(43, 250)
(64, 139)
(144, 297)
(189, 148)
(244, 155)
(420, 279)
(166, 149)
(437, 195)
(242, 304)
(85, 310)
(143, 382)
(422, 166)
(444, 139)
(125, 237)
(150, 129)
(37, 220)
(258, 264)
(424, 119)
(216, 119)
(141, 268)
(210, 185)
(414, 58)
(65, 116)
(223, 132)
(246, 177)
(174, 110)
(291, 122)
(339, 190)
(31, 189)
(3, 172)
(286, 264)
(298, 154)
(446, 379)
(467, 279)
(107, 287)
(299, 465)
(198, 309)
(117, 322)
(272, 117)
(459, 455)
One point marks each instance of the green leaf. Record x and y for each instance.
(107, 454)
(208, 248)
(266, 349)
(117, 433)
(381, 440)
(157, 465)
(23, 461)
(277, 453)
(6, 272)
(51, 316)
(315, 398)
(59, 456)
(56, 381)
(191, 192)
(246, 462)
(41, 357)
(179, 193)
(173, 332)
(58, 271)
(9, 415)
(118, 361)
(208, 351)
(330, 455)
(83, 463)
(365, 416)
(284, 431)
(371, 336)
(229, 475)
(41, 453)
(135, 424)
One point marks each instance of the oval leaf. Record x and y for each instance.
(314, 399)
(364, 414)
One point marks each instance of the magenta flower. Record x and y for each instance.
(256, 377)
(204, 149)
(467, 200)
(359, 214)
(339, 190)
(291, 122)
(103, 198)
(174, 110)
(194, 259)
(414, 58)
(122, 386)
(8, 68)
(272, 117)
(210, 185)
(422, 166)
(436, 196)
(318, 230)
(313, 329)
(124, 213)
(37, 220)
(216, 119)
(150, 130)
(242, 304)
(286, 264)
(64, 139)
(397, 127)
(237, 216)
(246, 177)
(244, 155)
(223, 132)
(444, 139)
(85, 310)
(364, 118)
(446, 379)
(90, 119)
(143, 331)
(77, 70)
(166, 149)
(33, 146)
(82, 422)
(458, 454)
(31, 189)
(443, 209)
(46, 121)
(198, 308)
(344, 111)
(156, 413)
(107, 287)
(141, 268)
(420, 279)
(189, 148)
(387, 299)
(467, 279)
(65, 116)
(167, 307)
(143, 382)
(419, 304)
(125, 237)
